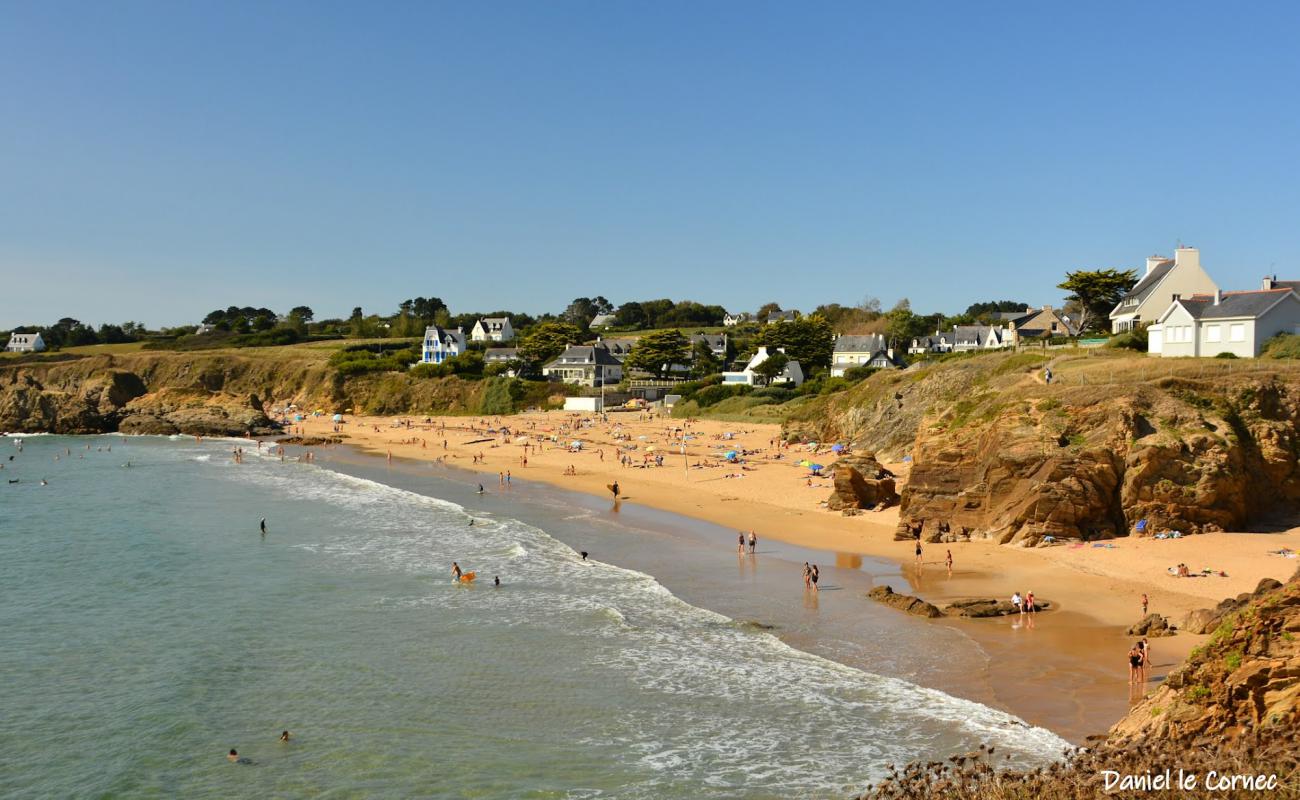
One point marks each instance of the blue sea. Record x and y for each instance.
(147, 627)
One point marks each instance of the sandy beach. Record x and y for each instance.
(1096, 590)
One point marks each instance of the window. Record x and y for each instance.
(1213, 334)
(1237, 332)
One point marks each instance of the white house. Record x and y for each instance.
(25, 343)
(732, 320)
(1224, 322)
(204, 328)
(792, 374)
(863, 351)
(1165, 278)
(940, 342)
(492, 329)
(585, 365)
(441, 344)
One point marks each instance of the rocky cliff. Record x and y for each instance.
(997, 453)
(211, 393)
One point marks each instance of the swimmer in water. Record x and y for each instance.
(496, 580)
(44, 482)
(480, 489)
(284, 737)
(233, 756)
(263, 526)
(584, 555)
(471, 522)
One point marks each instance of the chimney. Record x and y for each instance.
(1177, 296)
(1268, 282)
(1187, 255)
(1154, 261)
(1048, 309)
(1218, 296)
(890, 352)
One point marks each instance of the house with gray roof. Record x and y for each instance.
(25, 343)
(502, 355)
(1165, 278)
(1041, 323)
(871, 350)
(732, 320)
(585, 365)
(781, 316)
(1224, 322)
(618, 348)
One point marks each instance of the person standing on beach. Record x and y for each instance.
(948, 561)
(1029, 603)
(807, 576)
(814, 575)
(1144, 604)
(918, 552)
(1134, 664)
(753, 542)
(614, 488)
(740, 542)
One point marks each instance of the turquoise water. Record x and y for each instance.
(146, 628)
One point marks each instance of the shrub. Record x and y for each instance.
(500, 395)
(712, 395)
(1226, 354)
(1284, 345)
(855, 374)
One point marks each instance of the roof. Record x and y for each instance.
(24, 337)
(495, 320)
(1149, 281)
(717, 341)
(860, 344)
(1041, 320)
(604, 319)
(501, 354)
(442, 334)
(585, 355)
(970, 333)
(775, 316)
(1233, 304)
(619, 347)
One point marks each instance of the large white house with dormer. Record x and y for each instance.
(1165, 279)
(492, 329)
(1225, 322)
(441, 344)
(25, 343)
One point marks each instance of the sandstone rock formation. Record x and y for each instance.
(861, 482)
(1205, 620)
(1152, 625)
(1246, 678)
(904, 602)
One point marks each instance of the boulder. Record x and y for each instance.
(1206, 620)
(904, 602)
(1152, 625)
(861, 482)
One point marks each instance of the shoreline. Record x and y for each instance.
(1095, 590)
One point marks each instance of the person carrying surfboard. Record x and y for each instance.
(455, 571)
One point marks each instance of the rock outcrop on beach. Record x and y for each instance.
(996, 453)
(1152, 625)
(1205, 620)
(988, 608)
(1245, 678)
(861, 482)
(904, 602)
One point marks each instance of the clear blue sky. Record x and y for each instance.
(158, 160)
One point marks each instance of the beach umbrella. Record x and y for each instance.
(805, 463)
(521, 440)
(641, 436)
(837, 448)
(815, 467)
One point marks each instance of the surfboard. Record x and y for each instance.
(468, 577)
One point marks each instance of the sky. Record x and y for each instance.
(160, 159)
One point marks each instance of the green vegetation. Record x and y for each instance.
(657, 352)
(1284, 345)
(1095, 292)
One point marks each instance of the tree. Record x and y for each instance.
(1096, 292)
(657, 352)
(426, 308)
(303, 313)
(703, 362)
(903, 324)
(583, 309)
(990, 307)
(631, 314)
(547, 340)
(808, 340)
(771, 366)
(765, 309)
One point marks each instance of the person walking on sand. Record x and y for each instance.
(740, 542)
(614, 488)
(918, 552)
(753, 542)
(948, 561)
(807, 576)
(1134, 664)
(1144, 604)
(814, 575)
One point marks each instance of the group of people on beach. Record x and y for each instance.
(1139, 661)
